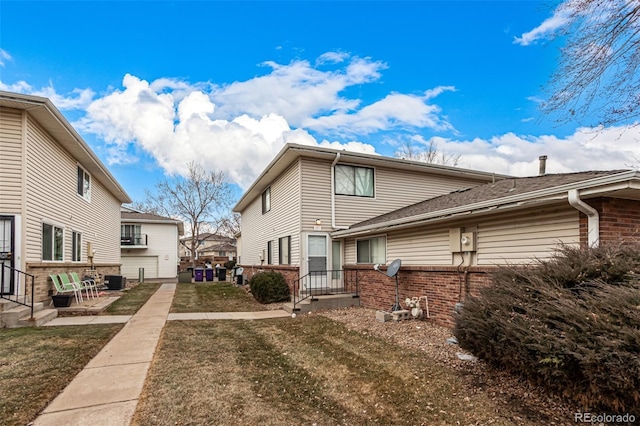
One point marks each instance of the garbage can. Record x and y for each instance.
(208, 274)
(222, 274)
(199, 274)
(185, 277)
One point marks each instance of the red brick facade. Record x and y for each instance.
(443, 286)
(291, 273)
(619, 220)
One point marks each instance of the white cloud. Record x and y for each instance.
(176, 128)
(4, 57)
(585, 149)
(332, 57)
(546, 29)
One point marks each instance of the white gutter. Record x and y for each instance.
(547, 194)
(593, 219)
(333, 194)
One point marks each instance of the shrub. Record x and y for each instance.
(269, 287)
(570, 323)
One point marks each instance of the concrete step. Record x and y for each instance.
(11, 313)
(317, 303)
(39, 318)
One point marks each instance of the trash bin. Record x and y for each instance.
(115, 282)
(238, 270)
(208, 274)
(199, 274)
(222, 274)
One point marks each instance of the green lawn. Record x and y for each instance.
(132, 299)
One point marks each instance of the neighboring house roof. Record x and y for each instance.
(209, 237)
(132, 216)
(218, 247)
(502, 195)
(290, 152)
(52, 120)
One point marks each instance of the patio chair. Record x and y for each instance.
(64, 279)
(65, 289)
(89, 284)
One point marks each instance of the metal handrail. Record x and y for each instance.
(16, 297)
(317, 283)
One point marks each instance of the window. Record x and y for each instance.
(76, 246)
(84, 184)
(352, 180)
(284, 251)
(371, 250)
(131, 235)
(222, 253)
(266, 200)
(269, 252)
(52, 242)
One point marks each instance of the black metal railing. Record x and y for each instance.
(319, 283)
(133, 240)
(12, 281)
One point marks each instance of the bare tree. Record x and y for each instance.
(598, 73)
(230, 225)
(427, 153)
(201, 199)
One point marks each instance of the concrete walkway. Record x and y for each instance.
(107, 390)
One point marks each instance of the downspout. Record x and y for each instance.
(593, 219)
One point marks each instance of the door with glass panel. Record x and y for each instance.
(6, 255)
(318, 281)
(337, 277)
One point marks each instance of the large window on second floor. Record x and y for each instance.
(371, 250)
(353, 180)
(131, 235)
(84, 184)
(52, 242)
(266, 200)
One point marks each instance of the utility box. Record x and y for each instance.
(468, 241)
(115, 282)
(454, 240)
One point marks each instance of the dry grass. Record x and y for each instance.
(213, 297)
(37, 363)
(311, 370)
(132, 299)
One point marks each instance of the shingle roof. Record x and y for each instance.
(490, 191)
(134, 216)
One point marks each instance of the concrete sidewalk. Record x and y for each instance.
(107, 390)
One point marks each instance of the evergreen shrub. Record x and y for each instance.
(269, 287)
(570, 323)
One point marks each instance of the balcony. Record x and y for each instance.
(133, 241)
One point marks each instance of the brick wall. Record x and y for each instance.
(619, 220)
(442, 285)
(44, 287)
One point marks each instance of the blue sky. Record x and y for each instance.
(153, 85)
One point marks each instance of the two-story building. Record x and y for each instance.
(150, 242)
(59, 205)
(308, 192)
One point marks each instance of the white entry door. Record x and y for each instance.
(317, 264)
(6, 255)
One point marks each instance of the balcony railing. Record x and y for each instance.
(134, 240)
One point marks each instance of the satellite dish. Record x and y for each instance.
(394, 267)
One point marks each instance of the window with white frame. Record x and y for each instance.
(84, 184)
(284, 251)
(76, 246)
(371, 250)
(266, 200)
(353, 180)
(52, 242)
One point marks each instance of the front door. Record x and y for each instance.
(317, 266)
(6, 254)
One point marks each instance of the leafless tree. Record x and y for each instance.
(427, 153)
(201, 199)
(230, 225)
(598, 73)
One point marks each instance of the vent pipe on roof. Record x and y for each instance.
(543, 165)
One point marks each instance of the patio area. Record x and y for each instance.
(90, 306)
